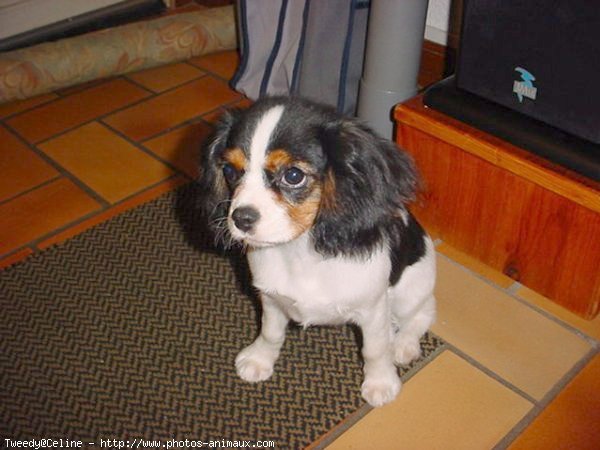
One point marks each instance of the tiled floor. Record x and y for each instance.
(519, 372)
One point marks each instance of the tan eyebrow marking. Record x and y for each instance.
(278, 158)
(236, 157)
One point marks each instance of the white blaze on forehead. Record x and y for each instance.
(274, 225)
(261, 137)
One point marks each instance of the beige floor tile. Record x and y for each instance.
(41, 211)
(159, 79)
(17, 106)
(223, 64)
(449, 404)
(167, 110)
(20, 167)
(105, 162)
(69, 112)
(476, 266)
(589, 327)
(181, 147)
(520, 345)
(572, 420)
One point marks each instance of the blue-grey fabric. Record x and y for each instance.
(304, 47)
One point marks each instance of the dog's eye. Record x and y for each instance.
(294, 177)
(230, 173)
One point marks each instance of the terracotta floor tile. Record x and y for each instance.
(20, 167)
(159, 79)
(181, 147)
(41, 211)
(15, 258)
(223, 64)
(65, 113)
(572, 420)
(525, 348)
(213, 116)
(589, 327)
(476, 266)
(167, 110)
(104, 161)
(76, 88)
(449, 404)
(132, 202)
(14, 107)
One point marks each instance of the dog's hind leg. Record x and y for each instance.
(406, 339)
(413, 306)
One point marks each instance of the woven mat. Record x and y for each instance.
(130, 330)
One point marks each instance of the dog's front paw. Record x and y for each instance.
(255, 363)
(379, 391)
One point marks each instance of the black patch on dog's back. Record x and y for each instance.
(407, 248)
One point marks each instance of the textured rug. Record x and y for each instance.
(129, 331)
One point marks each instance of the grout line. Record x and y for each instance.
(95, 119)
(31, 189)
(31, 108)
(220, 77)
(92, 84)
(550, 396)
(581, 334)
(138, 84)
(35, 243)
(20, 254)
(148, 152)
(100, 118)
(60, 169)
(191, 121)
(352, 419)
(194, 120)
(513, 288)
(491, 374)
(474, 273)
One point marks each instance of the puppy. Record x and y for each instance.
(319, 203)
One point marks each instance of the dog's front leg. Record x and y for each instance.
(255, 362)
(381, 383)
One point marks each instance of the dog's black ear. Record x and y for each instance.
(367, 183)
(214, 192)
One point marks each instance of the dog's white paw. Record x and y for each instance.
(379, 391)
(406, 349)
(255, 363)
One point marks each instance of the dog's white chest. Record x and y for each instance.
(316, 290)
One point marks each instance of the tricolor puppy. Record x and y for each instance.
(319, 203)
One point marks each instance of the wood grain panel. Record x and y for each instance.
(498, 208)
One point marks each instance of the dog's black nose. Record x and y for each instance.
(245, 217)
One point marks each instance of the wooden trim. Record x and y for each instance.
(534, 221)
(552, 177)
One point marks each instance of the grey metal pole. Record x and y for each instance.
(392, 60)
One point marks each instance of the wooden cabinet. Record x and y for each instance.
(537, 222)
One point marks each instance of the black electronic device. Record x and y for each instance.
(524, 62)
